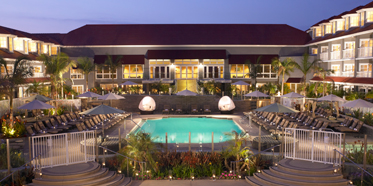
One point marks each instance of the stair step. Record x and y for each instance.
(107, 178)
(282, 172)
(93, 168)
(118, 180)
(253, 181)
(285, 179)
(69, 181)
(265, 181)
(308, 168)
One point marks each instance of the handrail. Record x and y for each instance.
(20, 167)
(121, 154)
(353, 163)
(255, 154)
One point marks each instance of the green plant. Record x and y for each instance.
(354, 95)
(357, 113)
(368, 119)
(305, 67)
(16, 129)
(255, 70)
(60, 111)
(323, 73)
(113, 63)
(16, 158)
(86, 66)
(283, 67)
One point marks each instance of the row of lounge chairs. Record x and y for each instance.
(73, 122)
(322, 112)
(194, 109)
(274, 122)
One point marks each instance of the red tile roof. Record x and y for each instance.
(294, 80)
(186, 54)
(49, 38)
(15, 55)
(354, 80)
(241, 59)
(126, 59)
(186, 34)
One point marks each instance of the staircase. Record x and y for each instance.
(87, 174)
(297, 172)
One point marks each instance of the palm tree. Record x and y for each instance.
(86, 66)
(113, 65)
(305, 67)
(56, 66)
(37, 87)
(254, 69)
(283, 67)
(321, 72)
(10, 81)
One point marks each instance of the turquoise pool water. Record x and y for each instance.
(178, 129)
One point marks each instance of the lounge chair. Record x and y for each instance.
(50, 126)
(179, 109)
(43, 128)
(206, 109)
(354, 128)
(194, 109)
(166, 109)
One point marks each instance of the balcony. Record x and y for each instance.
(364, 74)
(365, 52)
(348, 54)
(335, 55)
(324, 56)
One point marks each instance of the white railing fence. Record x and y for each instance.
(348, 53)
(324, 56)
(64, 149)
(365, 52)
(315, 146)
(335, 55)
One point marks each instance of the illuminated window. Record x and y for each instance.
(354, 21)
(318, 32)
(160, 72)
(213, 61)
(78, 88)
(336, 68)
(266, 71)
(362, 21)
(103, 72)
(369, 16)
(213, 71)
(133, 71)
(239, 71)
(324, 49)
(54, 50)
(366, 43)
(10, 44)
(349, 45)
(328, 29)
(18, 45)
(334, 26)
(32, 47)
(76, 74)
(186, 61)
(349, 67)
(347, 22)
(159, 62)
(37, 69)
(45, 49)
(365, 67)
(336, 47)
(9, 68)
(340, 25)
(314, 51)
(3, 42)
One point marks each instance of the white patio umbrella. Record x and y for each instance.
(256, 94)
(330, 97)
(359, 103)
(110, 96)
(292, 95)
(36, 104)
(88, 95)
(102, 109)
(186, 93)
(278, 108)
(39, 97)
(241, 83)
(128, 83)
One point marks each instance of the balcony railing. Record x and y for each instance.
(365, 52)
(364, 74)
(36, 74)
(324, 56)
(343, 74)
(348, 54)
(335, 55)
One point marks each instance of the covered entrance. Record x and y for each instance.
(183, 84)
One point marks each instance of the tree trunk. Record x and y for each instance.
(226, 164)
(86, 83)
(282, 83)
(62, 88)
(112, 88)
(11, 107)
(323, 87)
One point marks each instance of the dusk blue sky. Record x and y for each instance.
(62, 16)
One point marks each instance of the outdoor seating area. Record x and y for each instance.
(194, 109)
(73, 122)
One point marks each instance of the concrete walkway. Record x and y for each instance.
(189, 183)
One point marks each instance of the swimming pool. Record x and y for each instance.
(200, 128)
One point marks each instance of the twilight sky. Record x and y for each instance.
(62, 16)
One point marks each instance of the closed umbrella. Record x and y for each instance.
(278, 108)
(36, 104)
(186, 93)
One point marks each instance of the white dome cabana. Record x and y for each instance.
(147, 104)
(226, 104)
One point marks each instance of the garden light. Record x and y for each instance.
(103, 164)
(119, 171)
(239, 176)
(192, 178)
(276, 164)
(170, 177)
(137, 174)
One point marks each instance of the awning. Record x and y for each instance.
(186, 54)
(216, 80)
(126, 59)
(241, 59)
(157, 81)
(294, 80)
(345, 80)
